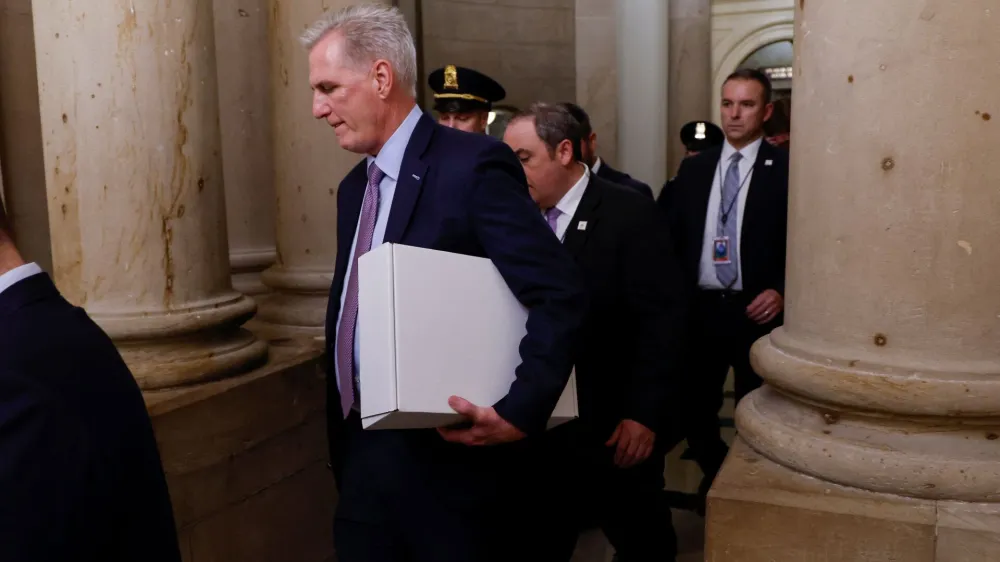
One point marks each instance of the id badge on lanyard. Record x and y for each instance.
(720, 251)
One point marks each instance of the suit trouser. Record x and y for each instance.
(408, 496)
(721, 337)
(625, 503)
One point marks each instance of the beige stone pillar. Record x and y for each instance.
(21, 133)
(247, 142)
(690, 82)
(130, 123)
(309, 165)
(597, 71)
(643, 68)
(877, 438)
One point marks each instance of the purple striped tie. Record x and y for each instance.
(552, 217)
(349, 319)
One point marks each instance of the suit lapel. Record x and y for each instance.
(351, 194)
(585, 218)
(763, 167)
(411, 180)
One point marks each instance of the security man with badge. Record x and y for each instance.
(697, 136)
(464, 97)
(728, 216)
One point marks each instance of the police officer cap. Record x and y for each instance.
(458, 90)
(701, 135)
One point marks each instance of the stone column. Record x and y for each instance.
(247, 142)
(877, 437)
(690, 97)
(643, 68)
(309, 165)
(130, 122)
(21, 133)
(597, 71)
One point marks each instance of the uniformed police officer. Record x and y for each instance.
(700, 135)
(696, 137)
(463, 97)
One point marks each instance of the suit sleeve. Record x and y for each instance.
(42, 474)
(543, 277)
(655, 296)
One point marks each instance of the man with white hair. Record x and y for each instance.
(452, 494)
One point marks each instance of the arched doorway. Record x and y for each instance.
(775, 60)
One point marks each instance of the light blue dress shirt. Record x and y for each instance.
(389, 160)
(7, 280)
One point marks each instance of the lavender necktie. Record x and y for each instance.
(349, 318)
(551, 216)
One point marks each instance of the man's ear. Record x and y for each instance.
(564, 152)
(383, 78)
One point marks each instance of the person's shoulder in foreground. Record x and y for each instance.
(80, 472)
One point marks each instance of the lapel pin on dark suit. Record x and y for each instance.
(582, 225)
(768, 162)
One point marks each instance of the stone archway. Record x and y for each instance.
(736, 35)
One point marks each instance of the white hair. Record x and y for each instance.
(370, 32)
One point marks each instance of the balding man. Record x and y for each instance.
(440, 495)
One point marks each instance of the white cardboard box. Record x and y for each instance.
(435, 324)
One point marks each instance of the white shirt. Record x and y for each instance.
(389, 160)
(706, 277)
(569, 202)
(597, 165)
(20, 273)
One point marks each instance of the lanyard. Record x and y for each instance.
(725, 211)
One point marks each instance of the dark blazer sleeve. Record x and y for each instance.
(43, 464)
(655, 296)
(543, 277)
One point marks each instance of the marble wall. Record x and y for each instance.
(526, 45)
(597, 71)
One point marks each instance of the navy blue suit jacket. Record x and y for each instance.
(466, 193)
(621, 178)
(80, 474)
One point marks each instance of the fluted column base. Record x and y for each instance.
(200, 342)
(761, 511)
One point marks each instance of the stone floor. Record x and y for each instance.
(681, 475)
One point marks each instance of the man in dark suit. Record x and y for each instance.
(80, 474)
(606, 464)
(436, 495)
(590, 158)
(729, 217)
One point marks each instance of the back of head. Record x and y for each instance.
(370, 32)
(580, 115)
(780, 122)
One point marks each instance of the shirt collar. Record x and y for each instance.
(571, 200)
(390, 158)
(749, 151)
(597, 165)
(18, 274)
